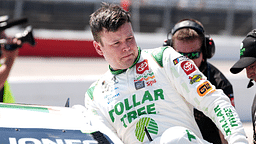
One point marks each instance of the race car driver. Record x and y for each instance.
(147, 93)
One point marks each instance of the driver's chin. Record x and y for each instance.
(126, 64)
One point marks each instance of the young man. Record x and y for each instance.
(248, 60)
(147, 96)
(188, 38)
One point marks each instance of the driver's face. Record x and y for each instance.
(118, 48)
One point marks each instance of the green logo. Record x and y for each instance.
(190, 136)
(226, 119)
(242, 51)
(147, 122)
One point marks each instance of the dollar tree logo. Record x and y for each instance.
(151, 126)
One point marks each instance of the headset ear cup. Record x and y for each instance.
(170, 42)
(209, 48)
(167, 42)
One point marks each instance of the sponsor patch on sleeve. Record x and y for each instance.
(195, 78)
(188, 67)
(179, 59)
(204, 88)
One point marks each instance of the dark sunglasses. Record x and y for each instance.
(192, 55)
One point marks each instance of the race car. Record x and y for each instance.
(37, 124)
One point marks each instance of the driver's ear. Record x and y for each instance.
(97, 47)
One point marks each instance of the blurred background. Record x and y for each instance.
(222, 17)
(64, 63)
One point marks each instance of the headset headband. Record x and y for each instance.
(187, 24)
(208, 47)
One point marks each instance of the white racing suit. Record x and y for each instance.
(159, 92)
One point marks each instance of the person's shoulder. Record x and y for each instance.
(96, 85)
(102, 78)
(217, 73)
(157, 54)
(213, 68)
(162, 54)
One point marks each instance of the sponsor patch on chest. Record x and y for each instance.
(142, 67)
(144, 75)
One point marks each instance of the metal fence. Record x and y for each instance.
(224, 17)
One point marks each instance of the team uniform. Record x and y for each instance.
(208, 129)
(158, 92)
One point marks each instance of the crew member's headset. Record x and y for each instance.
(208, 47)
